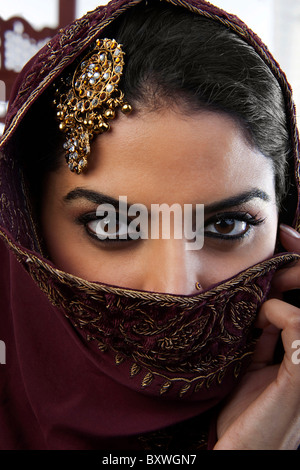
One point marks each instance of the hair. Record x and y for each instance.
(177, 58)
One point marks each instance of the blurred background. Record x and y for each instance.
(26, 25)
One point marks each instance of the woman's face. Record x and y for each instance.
(164, 158)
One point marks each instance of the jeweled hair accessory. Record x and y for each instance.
(87, 101)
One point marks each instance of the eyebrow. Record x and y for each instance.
(237, 200)
(92, 196)
(99, 198)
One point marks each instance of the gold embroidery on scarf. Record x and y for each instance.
(135, 369)
(83, 315)
(147, 380)
(165, 387)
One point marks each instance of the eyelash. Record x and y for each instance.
(91, 217)
(251, 221)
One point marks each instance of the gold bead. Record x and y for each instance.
(89, 123)
(109, 114)
(126, 108)
(104, 126)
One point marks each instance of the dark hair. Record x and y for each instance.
(176, 57)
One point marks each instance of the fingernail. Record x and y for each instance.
(289, 231)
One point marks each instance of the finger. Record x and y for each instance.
(285, 317)
(265, 348)
(289, 238)
(266, 345)
(286, 279)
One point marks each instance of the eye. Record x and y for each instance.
(230, 227)
(112, 227)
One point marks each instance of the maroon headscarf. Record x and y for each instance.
(93, 366)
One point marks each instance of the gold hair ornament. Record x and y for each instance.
(87, 103)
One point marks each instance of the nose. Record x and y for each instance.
(171, 268)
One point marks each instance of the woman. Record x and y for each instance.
(117, 339)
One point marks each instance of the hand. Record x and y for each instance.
(263, 413)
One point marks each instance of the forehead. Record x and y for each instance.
(173, 158)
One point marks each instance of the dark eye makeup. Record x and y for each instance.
(115, 228)
(231, 226)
